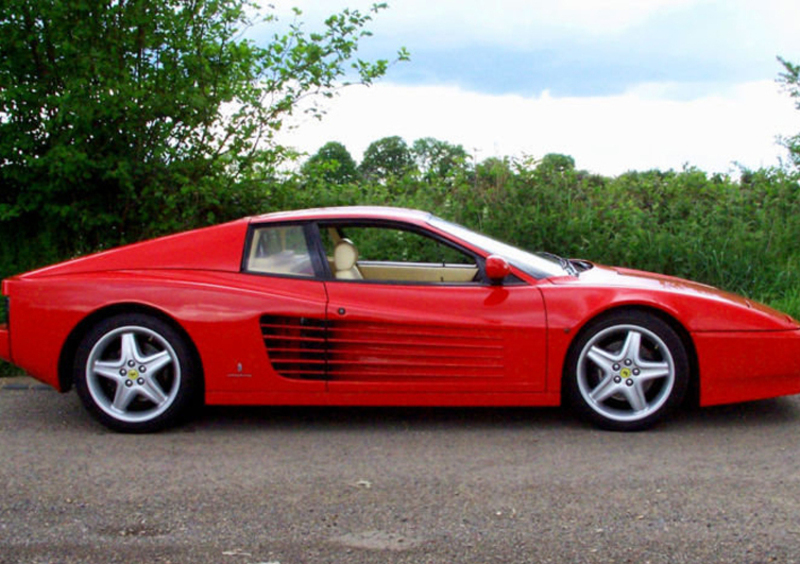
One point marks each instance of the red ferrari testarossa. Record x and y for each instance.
(383, 306)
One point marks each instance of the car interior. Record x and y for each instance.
(395, 255)
(361, 252)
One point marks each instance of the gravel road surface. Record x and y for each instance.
(310, 485)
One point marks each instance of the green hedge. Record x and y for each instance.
(740, 234)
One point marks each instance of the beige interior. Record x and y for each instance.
(286, 262)
(345, 266)
(345, 256)
(392, 271)
(414, 272)
(418, 272)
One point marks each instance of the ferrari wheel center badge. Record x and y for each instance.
(625, 373)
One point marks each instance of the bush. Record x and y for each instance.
(737, 234)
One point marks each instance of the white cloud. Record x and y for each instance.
(537, 23)
(709, 122)
(502, 17)
(637, 130)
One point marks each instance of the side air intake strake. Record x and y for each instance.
(362, 350)
(369, 351)
(295, 345)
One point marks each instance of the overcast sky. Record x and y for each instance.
(617, 84)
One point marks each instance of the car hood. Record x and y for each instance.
(707, 307)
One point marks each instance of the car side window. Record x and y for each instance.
(280, 250)
(390, 254)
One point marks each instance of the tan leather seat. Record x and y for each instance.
(345, 256)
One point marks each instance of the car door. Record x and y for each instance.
(279, 335)
(414, 314)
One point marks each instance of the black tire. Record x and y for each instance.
(135, 373)
(626, 371)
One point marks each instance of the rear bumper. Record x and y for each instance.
(743, 366)
(5, 343)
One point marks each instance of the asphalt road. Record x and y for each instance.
(292, 486)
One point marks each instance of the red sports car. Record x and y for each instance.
(383, 306)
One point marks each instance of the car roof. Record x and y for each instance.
(345, 212)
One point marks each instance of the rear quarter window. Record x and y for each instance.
(281, 250)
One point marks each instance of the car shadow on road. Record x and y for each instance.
(763, 413)
(349, 418)
(51, 409)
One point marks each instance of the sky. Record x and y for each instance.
(617, 84)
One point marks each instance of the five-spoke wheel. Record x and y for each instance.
(626, 371)
(134, 373)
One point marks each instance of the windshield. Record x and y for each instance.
(536, 265)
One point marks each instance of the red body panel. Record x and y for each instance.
(747, 366)
(213, 248)
(438, 338)
(219, 311)
(697, 306)
(384, 344)
(742, 332)
(389, 398)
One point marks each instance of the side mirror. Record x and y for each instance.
(496, 268)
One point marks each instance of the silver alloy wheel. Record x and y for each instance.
(133, 374)
(626, 373)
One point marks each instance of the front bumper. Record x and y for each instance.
(749, 365)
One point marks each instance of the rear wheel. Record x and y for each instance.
(134, 373)
(626, 371)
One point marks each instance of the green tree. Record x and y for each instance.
(121, 119)
(556, 162)
(438, 159)
(332, 164)
(790, 79)
(387, 158)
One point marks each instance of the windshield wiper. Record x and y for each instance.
(565, 264)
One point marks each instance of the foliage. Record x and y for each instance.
(437, 159)
(790, 79)
(386, 159)
(737, 234)
(332, 164)
(121, 120)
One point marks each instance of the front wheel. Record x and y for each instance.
(626, 371)
(134, 373)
